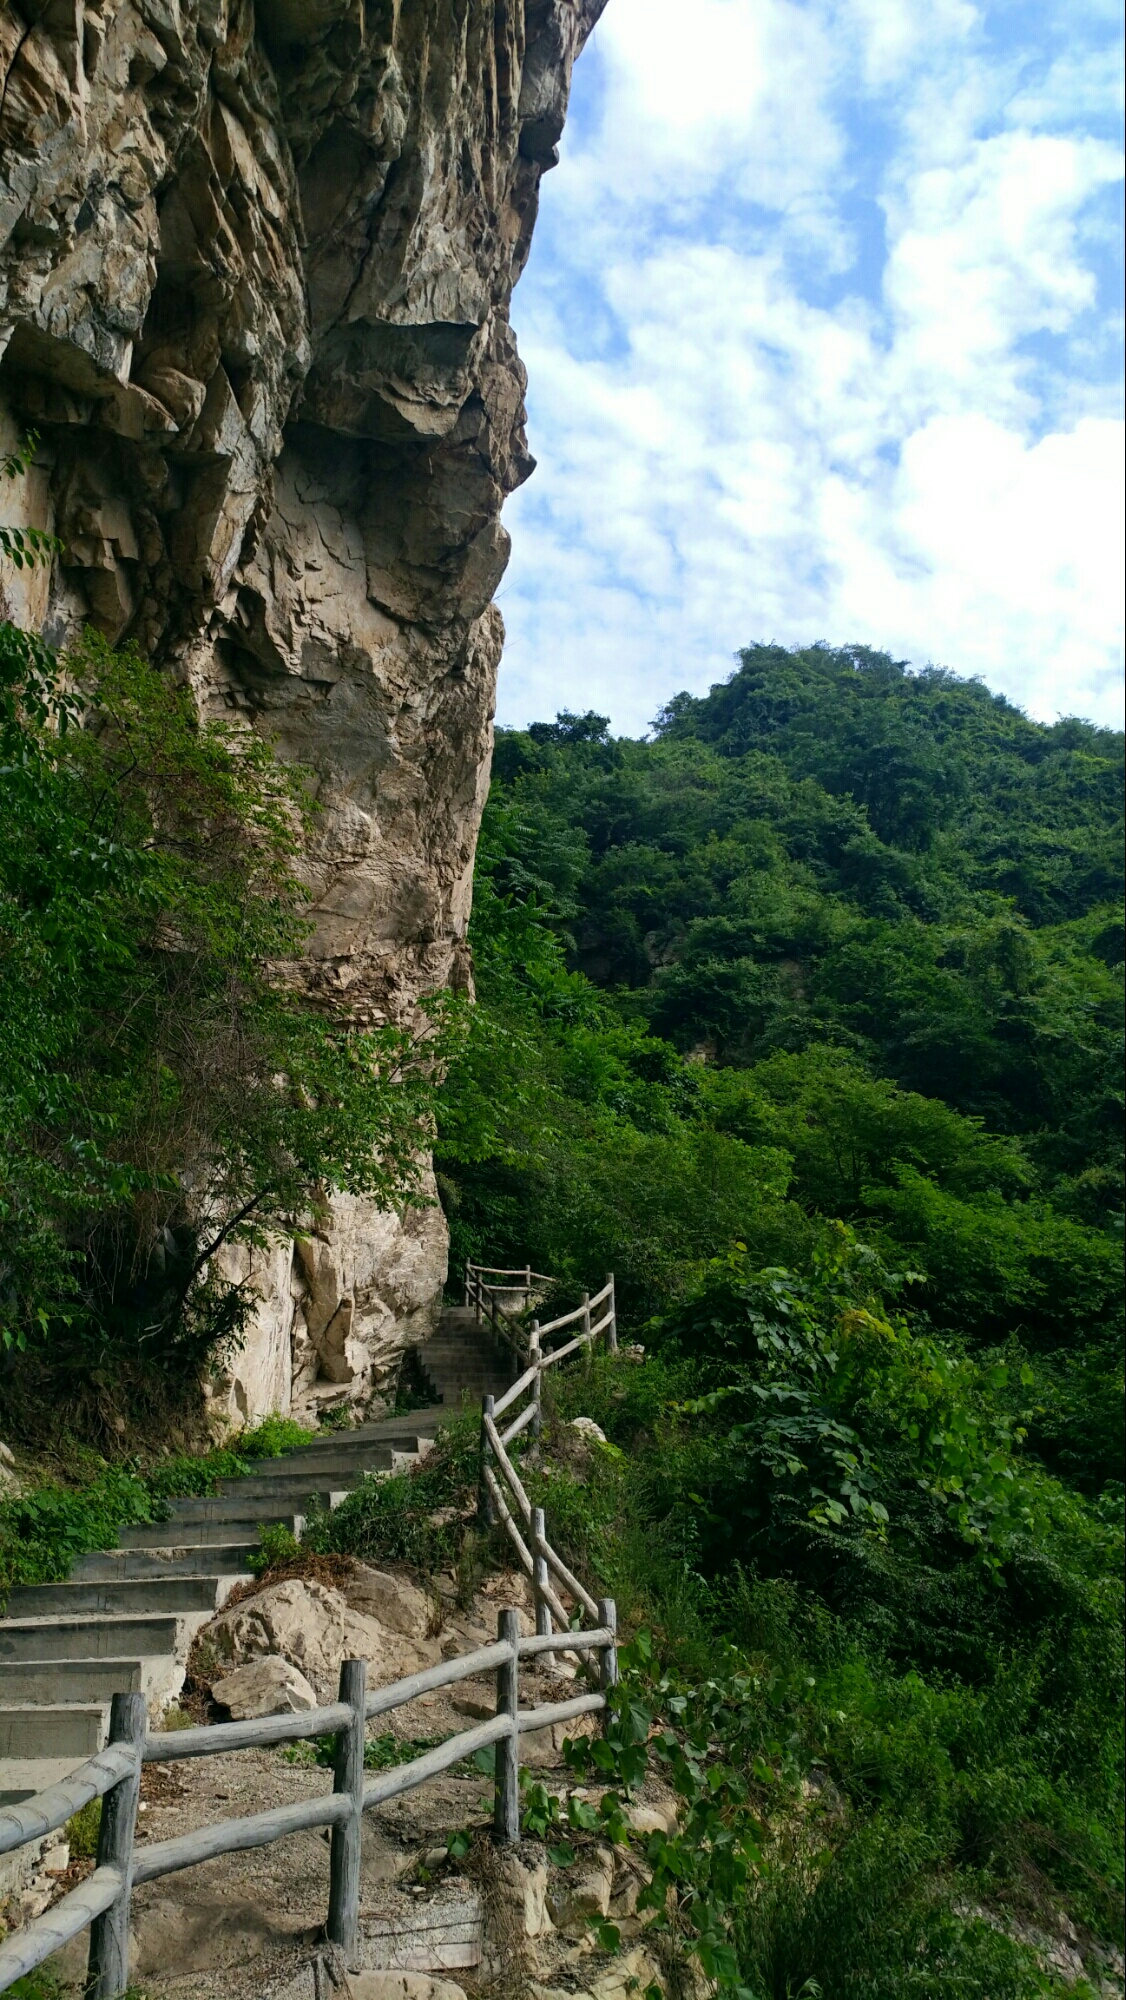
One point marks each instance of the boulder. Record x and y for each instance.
(525, 1892)
(583, 1892)
(314, 1627)
(270, 1686)
(397, 1605)
(652, 1819)
(587, 1428)
(307, 1623)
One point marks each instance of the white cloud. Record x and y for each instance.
(742, 461)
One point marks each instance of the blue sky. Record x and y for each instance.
(823, 327)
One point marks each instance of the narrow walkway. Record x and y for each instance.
(125, 1619)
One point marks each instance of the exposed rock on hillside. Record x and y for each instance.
(254, 280)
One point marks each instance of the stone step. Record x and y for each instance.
(87, 1638)
(243, 1506)
(290, 1493)
(123, 1565)
(47, 1683)
(132, 1596)
(457, 1364)
(320, 1469)
(470, 1364)
(238, 1526)
(392, 1430)
(466, 1378)
(397, 1435)
(69, 1730)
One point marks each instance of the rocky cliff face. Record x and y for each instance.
(254, 284)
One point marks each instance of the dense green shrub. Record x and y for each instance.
(420, 1517)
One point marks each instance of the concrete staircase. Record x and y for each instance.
(125, 1619)
(462, 1361)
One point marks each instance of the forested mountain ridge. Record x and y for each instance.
(804, 1016)
(829, 844)
(925, 1018)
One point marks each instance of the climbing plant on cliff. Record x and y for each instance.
(165, 1085)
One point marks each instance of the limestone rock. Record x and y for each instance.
(652, 1819)
(255, 266)
(525, 1890)
(314, 1628)
(269, 1686)
(303, 1623)
(629, 1974)
(583, 1892)
(587, 1428)
(398, 1605)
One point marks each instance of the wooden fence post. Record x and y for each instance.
(344, 1863)
(108, 1974)
(506, 1806)
(613, 1337)
(486, 1512)
(586, 1326)
(608, 1655)
(540, 1581)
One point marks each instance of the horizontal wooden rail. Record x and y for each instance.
(507, 1467)
(573, 1346)
(568, 1319)
(22, 1952)
(510, 1271)
(518, 1387)
(164, 1746)
(559, 1711)
(51, 1809)
(434, 1762)
(382, 1700)
(234, 1836)
(520, 1424)
(570, 1582)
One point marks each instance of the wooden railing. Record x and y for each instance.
(483, 1296)
(103, 1901)
(502, 1495)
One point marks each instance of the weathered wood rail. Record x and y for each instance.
(103, 1902)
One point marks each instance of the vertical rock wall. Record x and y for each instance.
(254, 280)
